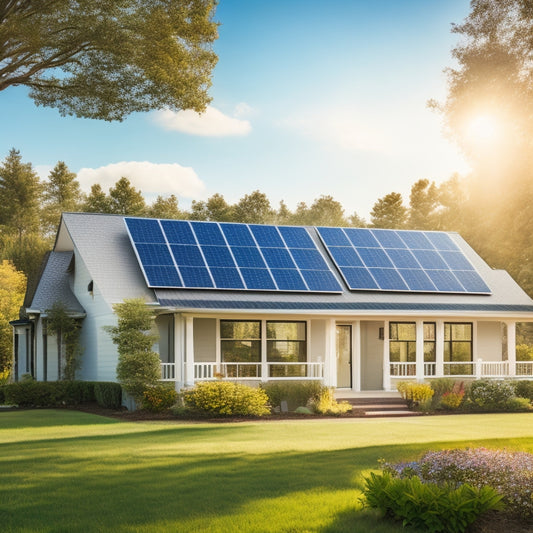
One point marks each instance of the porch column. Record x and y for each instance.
(178, 352)
(439, 349)
(511, 348)
(386, 357)
(356, 350)
(189, 351)
(330, 359)
(419, 351)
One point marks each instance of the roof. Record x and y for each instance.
(105, 247)
(54, 286)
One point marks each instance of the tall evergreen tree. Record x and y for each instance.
(389, 212)
(20, 195)
(125, 199)
(423, 202)
(97, 201)
(61, 194)
(166, 207)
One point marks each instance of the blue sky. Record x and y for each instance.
(309, 98)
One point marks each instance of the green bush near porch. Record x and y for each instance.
(296, 394)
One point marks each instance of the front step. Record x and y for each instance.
(377, 406)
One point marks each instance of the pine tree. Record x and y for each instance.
(124, 199)
(61, 194)
(389, 212)
(97, 201)
(20, 195)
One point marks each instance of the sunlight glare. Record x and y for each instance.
(483, 129)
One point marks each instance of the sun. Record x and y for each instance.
(483, 129)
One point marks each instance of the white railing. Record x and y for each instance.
(295, 370)
(208, 371)
(492, 369)
(168, 371)
(402, 369)
(524, 368)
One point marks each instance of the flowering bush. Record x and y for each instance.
(222, 398)
(491, 395)
(158, 398)
(454, 398)
(510, 473)
(415, 394)
(325, 404)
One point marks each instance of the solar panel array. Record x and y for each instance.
(212, 255)
(400, 260)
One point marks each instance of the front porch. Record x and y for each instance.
(352, 354)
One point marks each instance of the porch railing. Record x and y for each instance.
(168, 371)
(476, 369)
(291, 371)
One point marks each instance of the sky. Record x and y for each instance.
(309, 98)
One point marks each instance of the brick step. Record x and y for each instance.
(380, 407)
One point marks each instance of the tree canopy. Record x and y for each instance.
(109, 58)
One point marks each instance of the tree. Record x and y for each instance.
(12, 290)
(423, 203)
(165, 208)
(20, 195)
(109, 58)
(97, 201)
(389, 212)
(325, 211)
(124, 199)
(216, 209)
(61, 194)
(254, 208)
(67, 331)
(139, 367)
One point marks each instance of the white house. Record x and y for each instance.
(355, 308)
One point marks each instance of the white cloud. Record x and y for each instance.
(151, 178)
(211, 123)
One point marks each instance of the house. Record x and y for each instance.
(354, 308)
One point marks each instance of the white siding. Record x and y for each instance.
(205, 338)
(317, 340)
(489, 341)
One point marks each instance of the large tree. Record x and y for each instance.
(254, 208)
(12, 288)
(125, 199)
(20, 195)
(109, 58)
(61, 194)
(389, 212)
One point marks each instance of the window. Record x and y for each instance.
(240, 341)
(458, 347)
(403, 342)
(286, 343)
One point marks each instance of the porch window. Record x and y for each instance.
(430, 352)
(286, 343)
(240, 342)
(458, 348)
(402, 342)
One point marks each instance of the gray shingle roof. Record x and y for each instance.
(104, 245)
(54, 285)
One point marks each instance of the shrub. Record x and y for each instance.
(524, 352)
(524, 389)
(108, 394)
(297, 394)
(325, 403)
(159, 398)
(222, 398)
(510, 473)
(415, 394)
(490, 395)
(453, 398)
(428, 506)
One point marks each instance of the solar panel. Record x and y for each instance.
(231, 256)
(401, 260)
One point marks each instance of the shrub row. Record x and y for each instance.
(480, 395)
(62, 393)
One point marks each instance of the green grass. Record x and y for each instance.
(70, 471)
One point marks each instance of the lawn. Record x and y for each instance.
(70, 471)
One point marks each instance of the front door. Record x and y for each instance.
(344, 356)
